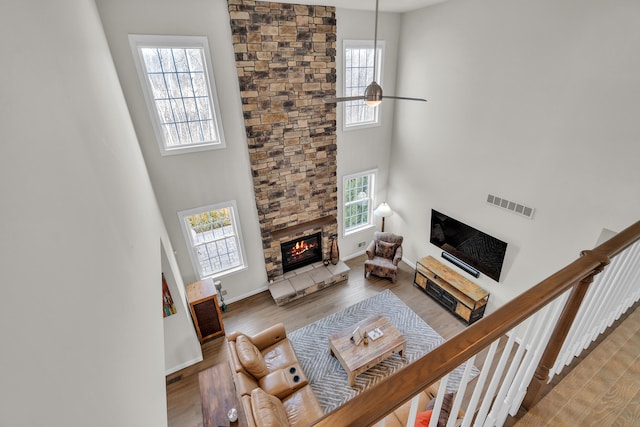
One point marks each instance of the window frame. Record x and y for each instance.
(139, 41)
(192, 246)
(373, 174)
(361, 44)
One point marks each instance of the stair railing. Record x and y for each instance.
(523, 343)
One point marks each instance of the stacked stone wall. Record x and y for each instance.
(285, 60)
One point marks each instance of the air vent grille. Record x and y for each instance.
(516, 208)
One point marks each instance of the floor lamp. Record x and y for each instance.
(383, 211)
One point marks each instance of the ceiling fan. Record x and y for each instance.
(373, 93)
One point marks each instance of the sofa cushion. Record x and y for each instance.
(385, 249)
(279, 355)
(250, 357)
(302, 407)
(423, 418)
(267, 410)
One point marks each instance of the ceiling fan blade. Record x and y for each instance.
(343, 99)
(403, 97)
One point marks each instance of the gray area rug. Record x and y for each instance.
(327, 377)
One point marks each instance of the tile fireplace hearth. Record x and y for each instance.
(307, 280)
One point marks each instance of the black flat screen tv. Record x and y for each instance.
(475, 248)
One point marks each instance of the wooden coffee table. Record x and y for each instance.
(218, 395)
(355, 359)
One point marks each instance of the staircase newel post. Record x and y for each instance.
(559, 334)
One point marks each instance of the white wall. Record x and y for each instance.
(80, 321)
(536, 102)
(181, 345)
(367, 148)
(178, 180)
(192, 180)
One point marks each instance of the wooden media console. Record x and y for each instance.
(456, 293)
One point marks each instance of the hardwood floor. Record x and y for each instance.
(602, 390)
(257, 312)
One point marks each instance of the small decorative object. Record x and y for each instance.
(325, 262)
(375, 334)
(366, 338)
(335, 251)
(357, 336)
(218, 286)
(233, 415)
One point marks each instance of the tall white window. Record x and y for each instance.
(358, 73)
(358, 201)
(177, 81)
(213, 236)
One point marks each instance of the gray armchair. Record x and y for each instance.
(384, 253)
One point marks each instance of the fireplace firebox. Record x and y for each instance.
(302, 251)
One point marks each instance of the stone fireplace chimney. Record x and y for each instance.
(285, 59)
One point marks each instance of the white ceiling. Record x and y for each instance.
(384, 6)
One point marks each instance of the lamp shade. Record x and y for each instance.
(383, 210)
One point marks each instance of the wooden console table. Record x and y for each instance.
(459, 295)
(218, 395)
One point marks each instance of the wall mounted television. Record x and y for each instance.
(479, 250)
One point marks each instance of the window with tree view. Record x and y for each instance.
(358, 201)
(358, 72)
(180, 91)
(212, 233)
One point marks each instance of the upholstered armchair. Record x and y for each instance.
(384, 253)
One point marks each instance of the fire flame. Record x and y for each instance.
(300, 248)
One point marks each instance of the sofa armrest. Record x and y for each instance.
(371, 249)
(269, 336)
(262, 339)
(248, 412)
(398, 256)
(244, 383)
(236, 366)
(282, 382)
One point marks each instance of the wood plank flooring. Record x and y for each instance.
(602, 390)
(253, 314)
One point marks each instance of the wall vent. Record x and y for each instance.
(516, 208)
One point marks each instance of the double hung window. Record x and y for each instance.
(358, 73)
(214, 240)
(358, 201)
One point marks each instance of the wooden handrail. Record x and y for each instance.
(376, 402)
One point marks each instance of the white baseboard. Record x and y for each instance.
(247, 295)
(183, 365)
(354, 255)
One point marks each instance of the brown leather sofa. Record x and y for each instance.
(269, 379)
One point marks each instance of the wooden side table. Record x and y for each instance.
(218, 395)
(205, 311)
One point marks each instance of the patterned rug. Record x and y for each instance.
(327, 377)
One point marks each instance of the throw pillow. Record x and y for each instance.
(250, 357)
(267, 410)
(423, 418)
(385, 249)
